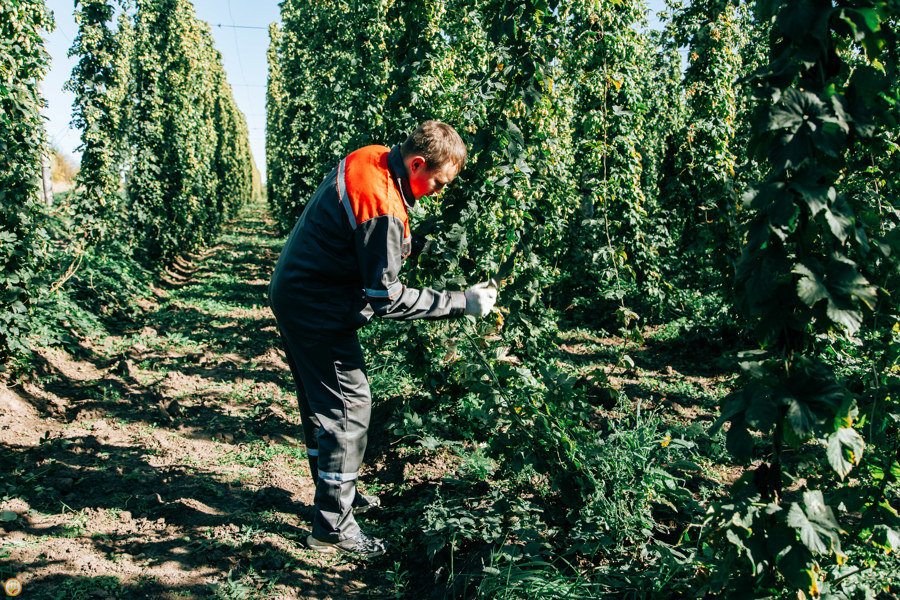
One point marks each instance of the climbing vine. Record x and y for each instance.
(816, 265)
(23, 63)
(97, 85)
(189, 142)
(626, 185)
(702, 181)
(165, 157)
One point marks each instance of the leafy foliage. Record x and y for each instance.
(23, 62)
(806, 277)
(189, 139)
(754, 184)
(98, 86)
(701, 177)
(617, 180)
(155, 110)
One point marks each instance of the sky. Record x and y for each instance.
(240, 32)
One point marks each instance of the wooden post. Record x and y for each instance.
(46, 179)
(46, 175)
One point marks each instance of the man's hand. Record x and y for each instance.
(480, 298)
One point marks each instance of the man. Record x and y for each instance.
(339, 267)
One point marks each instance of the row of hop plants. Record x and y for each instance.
(761, 175)
(23, 238)
(560, 104)
(165, 156)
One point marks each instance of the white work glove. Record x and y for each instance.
(480, 299)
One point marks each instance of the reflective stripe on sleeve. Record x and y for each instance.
(341, 477)
(342, 190)
(391, 291)
(312, 451)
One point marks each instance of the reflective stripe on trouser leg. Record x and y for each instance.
(334, 377)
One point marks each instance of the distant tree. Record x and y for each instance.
(63, 166)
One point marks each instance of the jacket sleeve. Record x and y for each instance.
(379, 247)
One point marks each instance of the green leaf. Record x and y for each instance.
(816, 525)
(891, 538)
(865, 25)
(867, 17)
(739, 441)
(807, 183)
(846, 279)
(789, 113)
(840, 219)
(783, 211)
(761, 411)
(806, 529)
(7, 516)
(800, 418)
(844, 449)
(733, 405)
(810, 287)
(845, 316)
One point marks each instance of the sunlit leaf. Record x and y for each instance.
(806, 529)
(844, 449)
(816, 524)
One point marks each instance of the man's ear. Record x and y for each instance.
(417, 162)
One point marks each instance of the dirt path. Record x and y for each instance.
(166, 461)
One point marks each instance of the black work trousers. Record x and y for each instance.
(335, 407)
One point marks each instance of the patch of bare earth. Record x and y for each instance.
(684, 388)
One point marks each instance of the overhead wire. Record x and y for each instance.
(248, 95)
(237, 48)
(238, 26)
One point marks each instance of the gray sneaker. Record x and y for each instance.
(362, 546)
(363, 503)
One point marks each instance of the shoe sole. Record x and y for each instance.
(315, 544)
(318, 546)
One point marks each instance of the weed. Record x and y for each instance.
(476, 464)
(107, 392)
(248, 533)
(75, 527)
(258, 453)
(251, 586)
(83, 588)
(511, 576)
(398, 579)
(230, 589)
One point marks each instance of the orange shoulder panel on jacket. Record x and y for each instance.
(370, 188)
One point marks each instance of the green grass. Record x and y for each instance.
(85, 588)
(258, 453)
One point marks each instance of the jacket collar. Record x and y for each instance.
(400, 176)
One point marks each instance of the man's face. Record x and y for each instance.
(424, 181)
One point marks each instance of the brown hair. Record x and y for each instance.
(438, 143)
